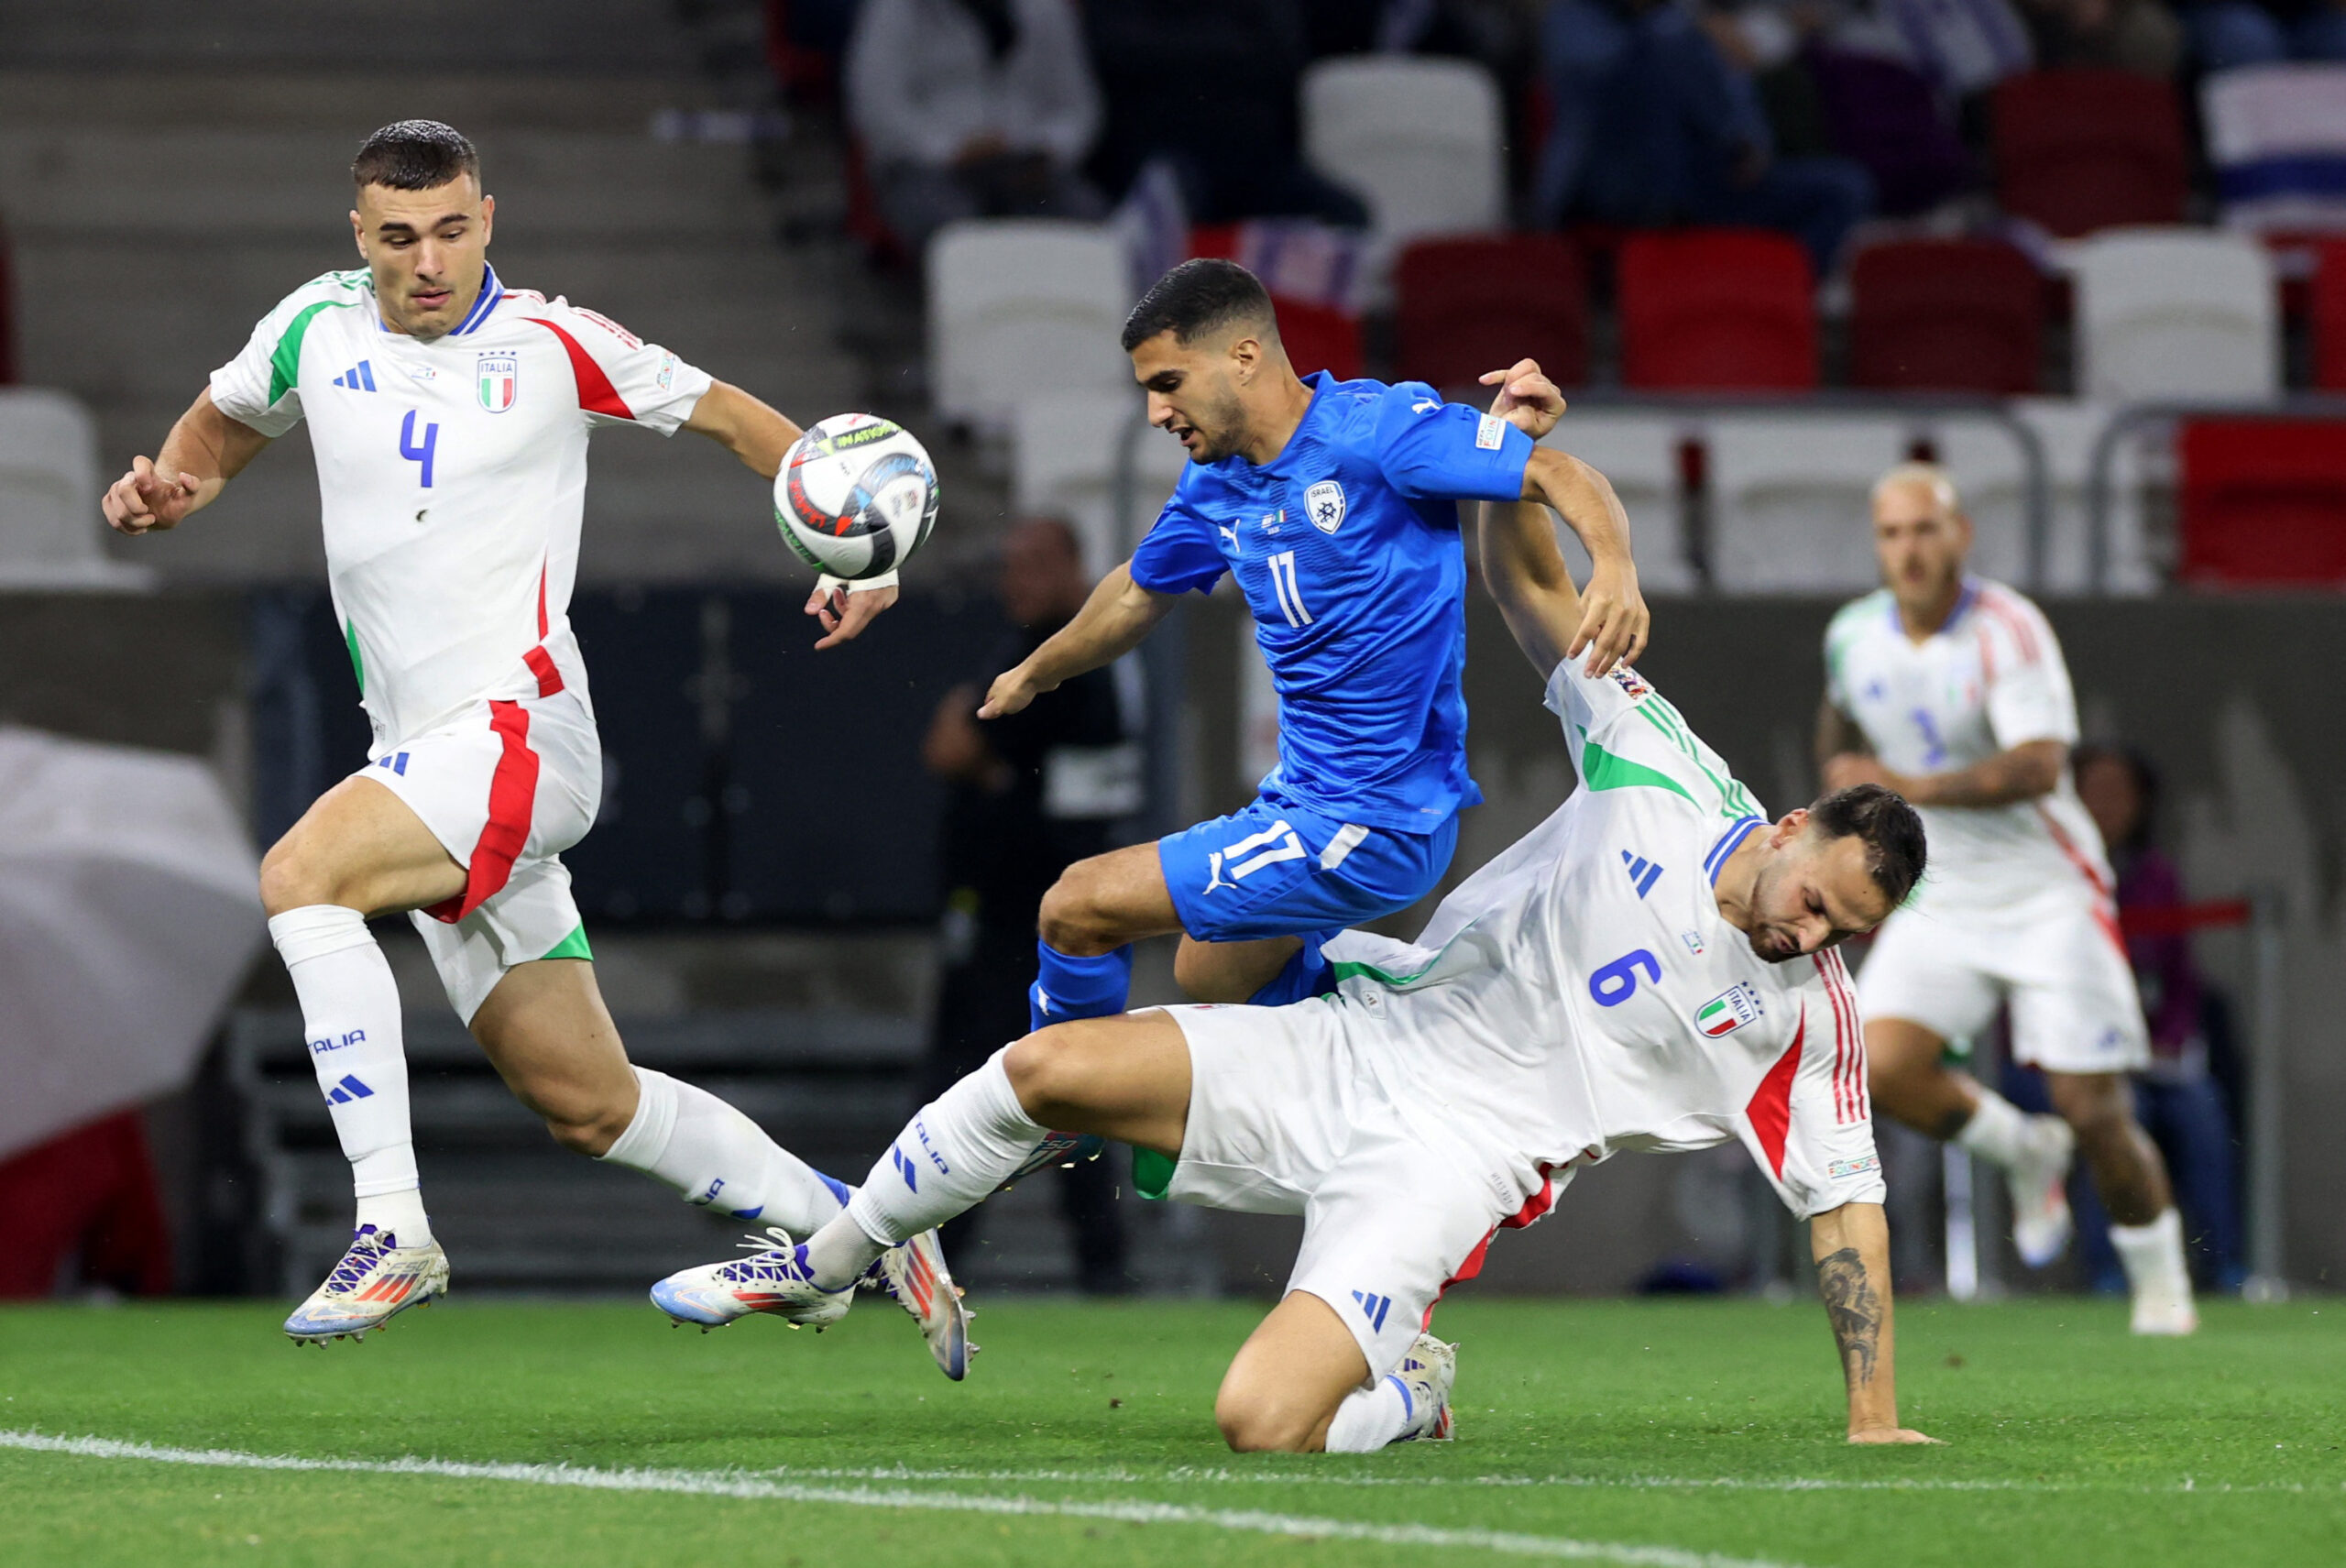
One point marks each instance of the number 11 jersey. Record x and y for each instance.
(452, 478)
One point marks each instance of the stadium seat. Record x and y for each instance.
(50, 533)
(2276, 135)
(1063, 464)
(1465, 306)
(1419, 139)
(7, 312)
(1718, 310)
(2175, 313)
(1791, 500)
(1020, 306)
(2263, 503)
(1639, 453)
(2330, 317)
(2078, 151)
(1945, 316)
(1319, 337)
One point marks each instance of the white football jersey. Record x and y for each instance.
(1988, 680)
(1581, 993)
(452, 475)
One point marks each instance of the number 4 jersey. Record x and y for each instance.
(1581, 993)
(452, 475)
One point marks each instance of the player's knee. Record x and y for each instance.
(1073, 918)
(1252, 1423)
(2096, 1105)
(292, 878)
(1045, 1071)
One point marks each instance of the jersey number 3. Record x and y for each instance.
(419, 452)
(1617, 981)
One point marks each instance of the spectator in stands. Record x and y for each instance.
(2228, 33)
(972, 108)
(2177, 1100)
(2141, 36)
(1027, 796)
(1210, 86)
(1655, 124)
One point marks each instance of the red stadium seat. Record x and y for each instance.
(2264, 501)
(1319, 337)
(1716, 309)
(1951, 315)
(2079, 150)
(1464, 306)
(2329, 317)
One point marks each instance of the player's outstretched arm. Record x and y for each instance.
(1851, 1245)
(1112, 623)
(205, 451)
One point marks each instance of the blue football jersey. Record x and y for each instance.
(1346, 545)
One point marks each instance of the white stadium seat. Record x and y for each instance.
(2277, 135)
(52, 533)
(1639, 453)
(1063, 464)
(1417, 139)
(1988, 473)
(2176, 314)
(1791, 500)
(1021, 307)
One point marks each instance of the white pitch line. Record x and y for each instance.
(736, 1484)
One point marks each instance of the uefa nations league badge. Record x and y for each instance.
(1324, 504)
(500, 381)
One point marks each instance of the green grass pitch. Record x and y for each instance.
(1669, 1435)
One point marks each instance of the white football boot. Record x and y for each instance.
(2039, 1183)
(774, 1278)
(915, 1274)
(376, 1280)
(1424, 1378)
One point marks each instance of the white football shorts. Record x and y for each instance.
(505, 787)
(2056, 958)
(1285, 1119)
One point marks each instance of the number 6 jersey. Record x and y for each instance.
(452, 475)
(1581, 993)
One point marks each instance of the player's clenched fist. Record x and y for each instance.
(145, 499)
(1012, 690)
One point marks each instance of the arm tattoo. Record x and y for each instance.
(1855, 1308)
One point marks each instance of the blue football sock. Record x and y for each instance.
(1068, 988)
(1306, 974)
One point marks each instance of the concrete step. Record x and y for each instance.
(340, 104)
(620, 37)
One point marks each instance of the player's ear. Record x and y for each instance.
(488, 218)
(1789, 827)
(358, 232)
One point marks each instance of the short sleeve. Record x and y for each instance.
(1431, 450)
(1624, 735)
(1178, 553)
(1840, 640)
(2029, 696)
(260, 387)
(621, 378)
(1810, 1124)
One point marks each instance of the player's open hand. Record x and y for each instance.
(845, 609)
(1613, 618)
(1894, 1434)
(1526, 398)
(1012, 691)
(147, 500)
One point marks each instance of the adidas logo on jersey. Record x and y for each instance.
(1374, 1307)
(359, 378)
(1642, 872)
(348, 1089)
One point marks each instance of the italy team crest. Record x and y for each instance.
(500, 381)
(1729, 1011)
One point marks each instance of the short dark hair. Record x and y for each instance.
(1896, 851)
(414, 155)
(1199, 295)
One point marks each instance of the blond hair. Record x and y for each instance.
(1931, 476)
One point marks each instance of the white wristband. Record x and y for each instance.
(827, 584)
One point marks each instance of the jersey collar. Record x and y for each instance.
(1728, 841)
(1964, 600)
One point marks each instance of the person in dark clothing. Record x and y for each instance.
(1029, 795)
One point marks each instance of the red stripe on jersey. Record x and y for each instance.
(542, 665)
(542, 599)
(1987, 640)
(2014, 620)
(1538, 1203)
(2105, 914)
(1770, 1111)
(595, 393)
(1850, 1088)
(512, 798)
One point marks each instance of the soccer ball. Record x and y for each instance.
(856, 496)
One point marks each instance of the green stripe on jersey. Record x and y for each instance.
(357, 663)
(1602, 769)
(573, 946)
(1152, 1173)
(285, 363)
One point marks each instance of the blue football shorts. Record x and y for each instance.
(1283, 871)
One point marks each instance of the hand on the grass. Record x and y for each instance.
(1526, 399)
(1892, 1434)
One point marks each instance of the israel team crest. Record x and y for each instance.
(501, 382)
(1324, 504)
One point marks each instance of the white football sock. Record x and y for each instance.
(960, 1146)
(1370, 1418)
(2153, 1255)
(1998, 1131)
(350, 1015)
(718, 1158)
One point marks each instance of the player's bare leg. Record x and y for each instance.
(1910, 1082)
(1231, 971)
(359, 850)
(1284, 1387)
(2144, 1227)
